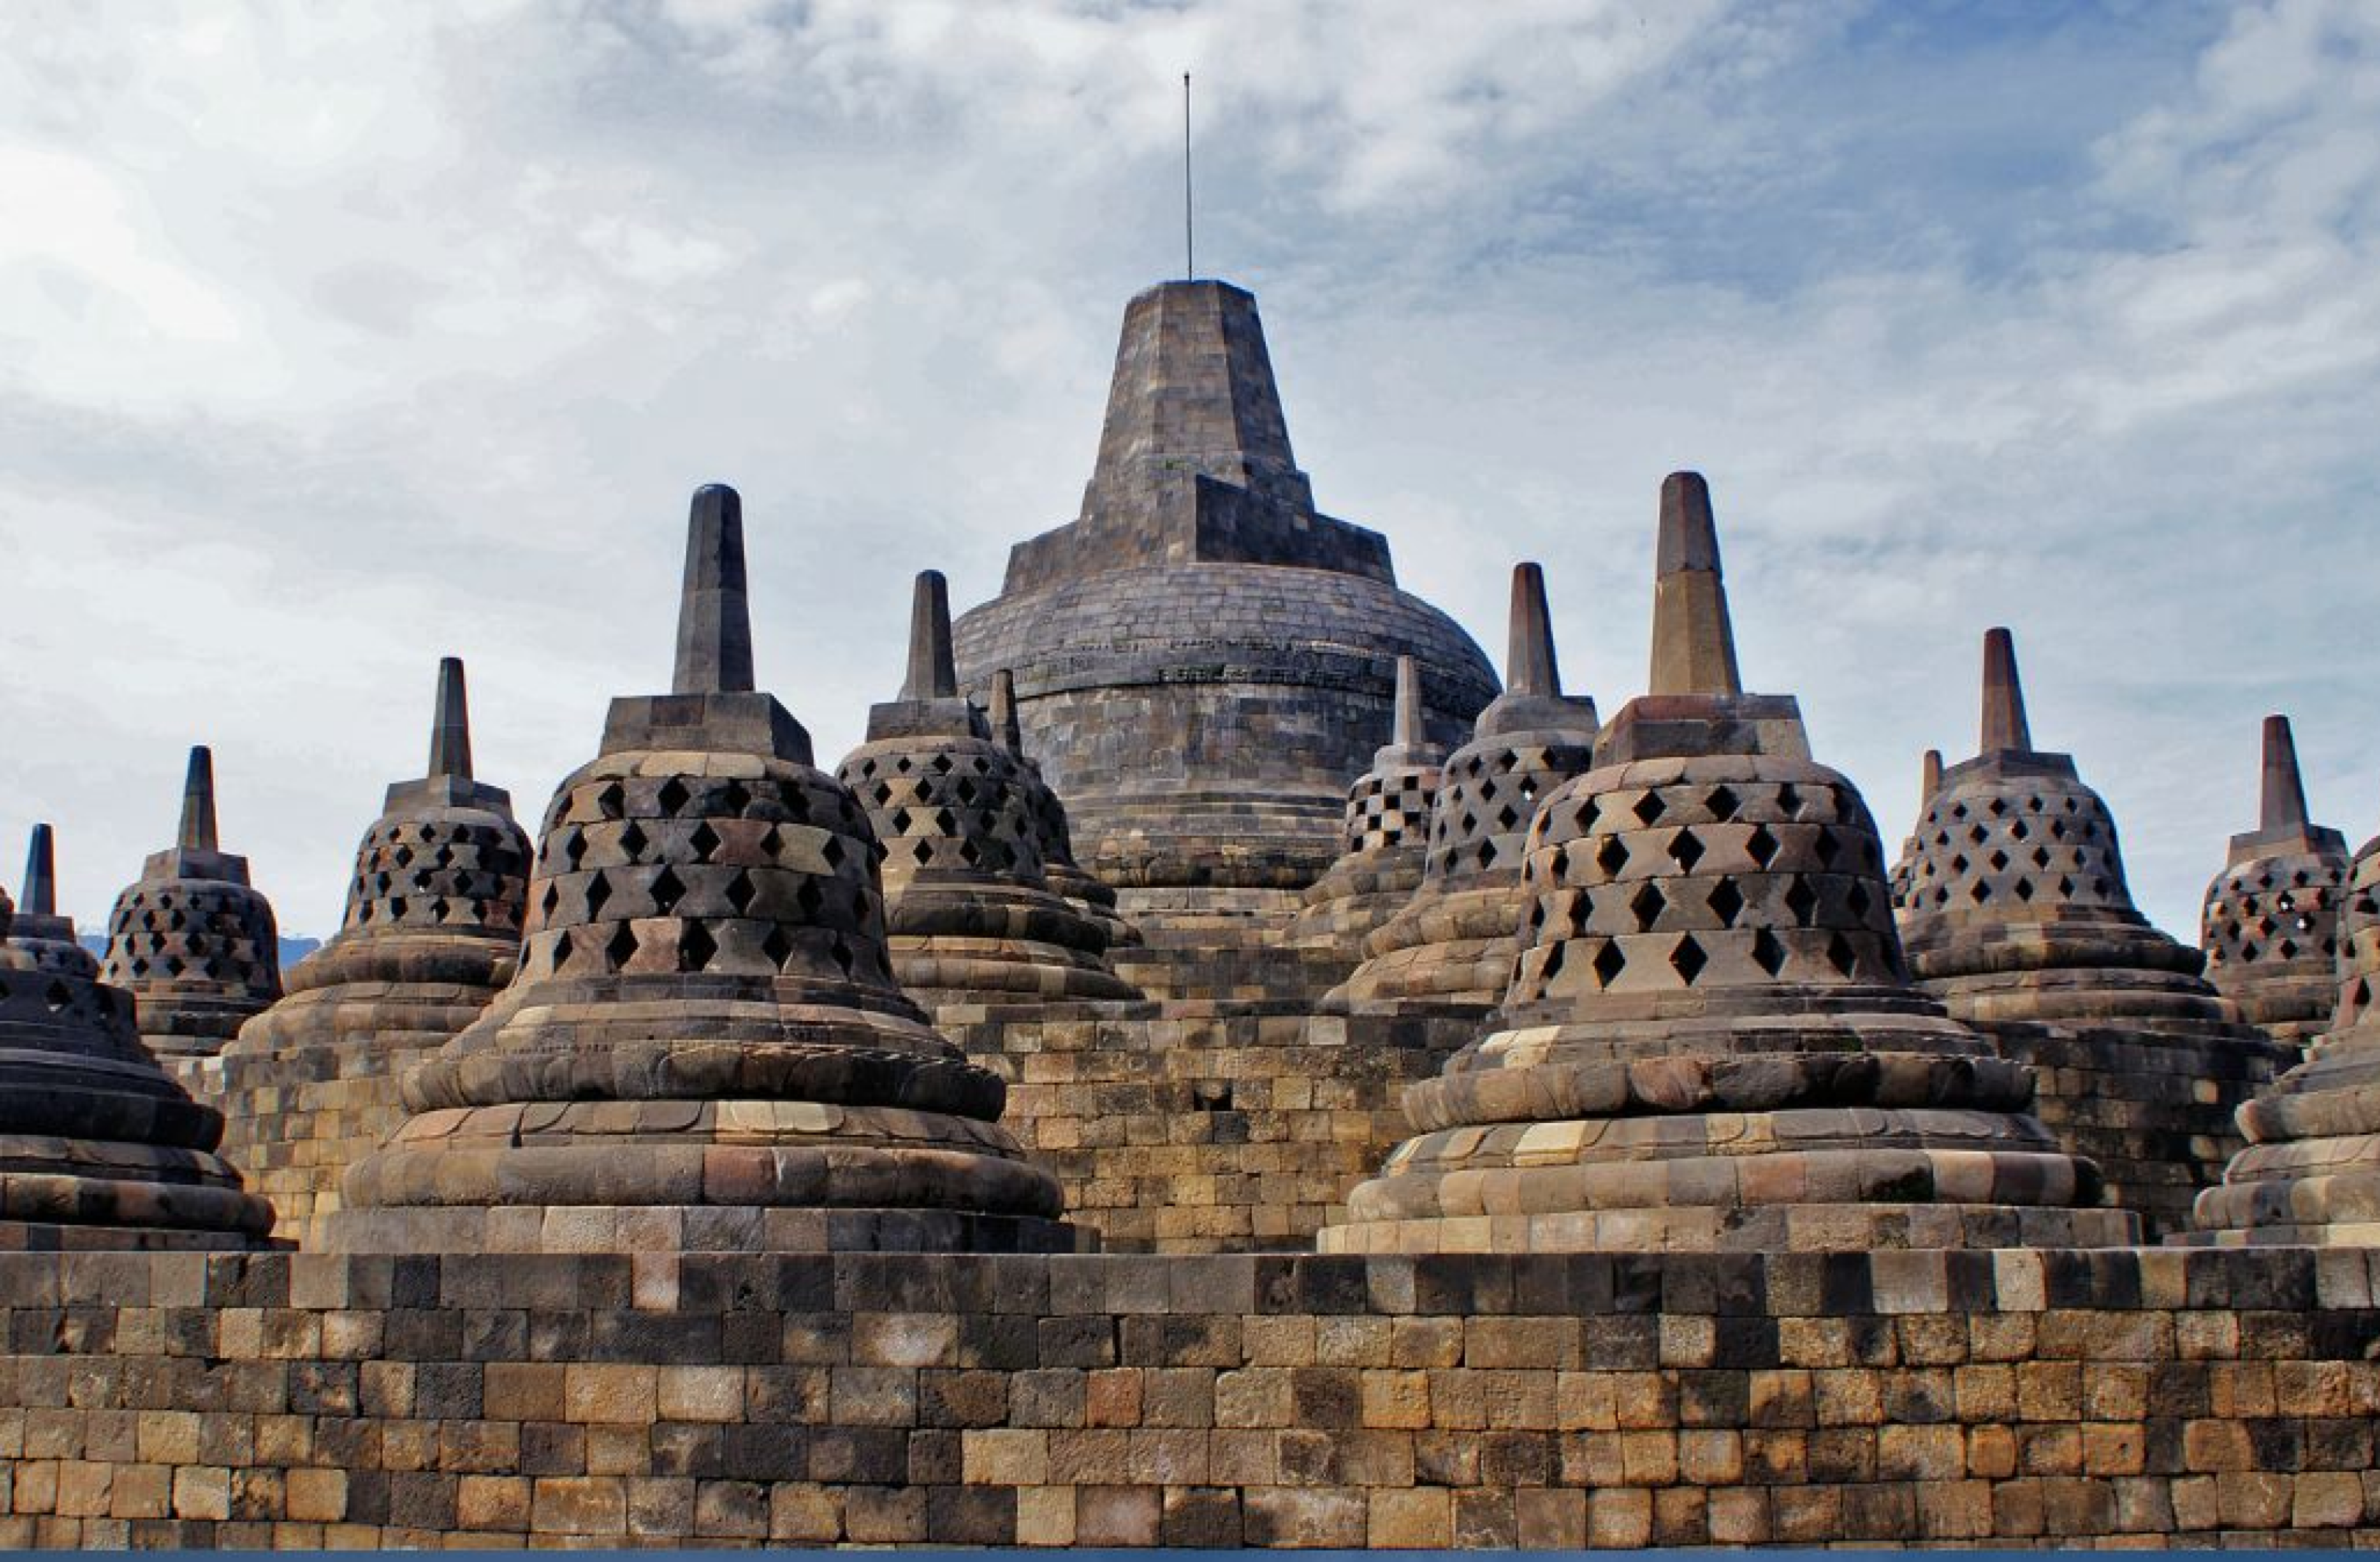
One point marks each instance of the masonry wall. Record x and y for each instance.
(2196, 1398)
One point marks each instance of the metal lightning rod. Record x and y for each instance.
(1189, 233)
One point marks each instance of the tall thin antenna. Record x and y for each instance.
(1189, 234)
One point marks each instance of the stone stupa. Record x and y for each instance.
(970, 912)
(1092, 897)
(1202, 657)
(190, 940)
(432, 934)
(2309, 1172)
(1711, 1042)
(1386, 836)
(100, 1148)
(704, 1048)
(2016, 914)
(1451, 946)
(2270, 929)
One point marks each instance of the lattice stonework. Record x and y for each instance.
(1487, 799)
(2358, 931)
(194, 932)
(1388, 809)
(2014, 844)
(1672, 886)
(945, 810)
(420, 875)
(722, 873)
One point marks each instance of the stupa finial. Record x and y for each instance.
(1529, 665)
(199, 803)
(1693, 643)
(41, 886)
(450, 725)
(1006, 730)
(933, 674)
(1409, 730)
(1930, 777)
(714, 625)
(2284, 800)
(2004, 723)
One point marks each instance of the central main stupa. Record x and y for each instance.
(1202, 658)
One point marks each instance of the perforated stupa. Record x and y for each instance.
(1386, 848)
(2270, 930)
(1710, 1041)
(705, 1047)
(191, 940)
(1450, 945)
(432, 934)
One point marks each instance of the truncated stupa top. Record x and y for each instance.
(1195, 463)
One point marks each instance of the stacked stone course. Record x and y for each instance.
(432, 934)
(2016, 914)
(1973, 1398)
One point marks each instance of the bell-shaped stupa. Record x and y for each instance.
(1091, 896)
(971, 914)
(1710, 1042)
(2015, 914)
(1450, 945)
(432, 933)
(2309, 1172)
(1202, 657)
(2270, 931)
(704, 1048)
(191, 941)
(1385, 840)
(99, 1146)
(1929, 781)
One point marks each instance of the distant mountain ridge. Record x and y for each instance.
(292, 950)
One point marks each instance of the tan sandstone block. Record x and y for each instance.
(203, 1492)
(1420, 1517)
(316, 1496)
(603, 1391)
(492, 1502)
(705, 1394)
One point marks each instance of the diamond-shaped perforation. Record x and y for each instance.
(1688, 959)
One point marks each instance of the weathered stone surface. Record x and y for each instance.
(1449, 948)
(704, 1048)
(971, 914)
(2014, 910)
(2270, 930)
(1202, 658)
(99, 1148)
(2310, 1171)
(1385, 843)
(190, 940)
(432, 934)
(1092, 896)
(2130, 1398)
(1709, 1040)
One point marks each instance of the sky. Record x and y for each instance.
(338, 337)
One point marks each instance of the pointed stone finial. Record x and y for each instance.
(714, 625)
(2004, 723)
(1409, 730)
(1693, 643)
(2284, 800)
(199, 803)
(450, 726)
(1529, 666)
(933, 674)
(40, 876)
(1005, 729)
(1930, 780)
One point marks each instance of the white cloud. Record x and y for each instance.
(353, 336)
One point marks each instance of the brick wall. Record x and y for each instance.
(2201, 1398)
